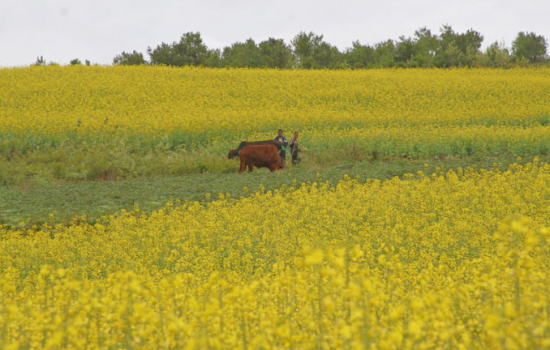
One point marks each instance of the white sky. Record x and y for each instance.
(97, 30)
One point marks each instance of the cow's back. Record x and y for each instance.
(276, 143)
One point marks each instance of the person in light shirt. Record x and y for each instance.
(295, 149)
(280, 137)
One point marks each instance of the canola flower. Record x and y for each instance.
(409, 112)
(455, 260)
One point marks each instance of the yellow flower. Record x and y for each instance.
(315, 257)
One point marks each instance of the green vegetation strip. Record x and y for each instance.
(59, 202)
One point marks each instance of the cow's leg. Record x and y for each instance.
(243, 165)
(250, 167)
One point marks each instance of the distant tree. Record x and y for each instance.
(88, 63)
(385, 53)
(426, 45)
(40, 61)
(274, 53)
(214, 59)
(405, 51)
(327, 56)
(497, 55)
(469, 41)
(457, 49)
(360, 56)
(75, 62)
(304, 46)
(242, 55)
(312, 52)
(129, 59)
(529, 47)
(164, 54)
(190, 50)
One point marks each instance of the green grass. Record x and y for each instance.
(32, 203)
(27, 158)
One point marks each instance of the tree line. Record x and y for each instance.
(424, 49)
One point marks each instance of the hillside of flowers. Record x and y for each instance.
(451, 259)
(399, 111)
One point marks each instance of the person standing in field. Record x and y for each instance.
(294, 149)
(280, 137)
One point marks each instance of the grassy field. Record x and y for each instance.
(418, 218)
(58, 202)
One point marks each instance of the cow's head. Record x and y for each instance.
(281, 163)
(232, 154)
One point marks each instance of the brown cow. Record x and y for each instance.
(260, 156)
(233, 153)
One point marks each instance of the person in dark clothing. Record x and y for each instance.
(294, 149)
(280, 137)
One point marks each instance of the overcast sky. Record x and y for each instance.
(97, 30)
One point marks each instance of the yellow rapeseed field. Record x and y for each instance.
(456, 260)
(411, 112)
(450, 260)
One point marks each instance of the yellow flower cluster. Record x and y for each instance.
(456, 260)
(381, 110)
